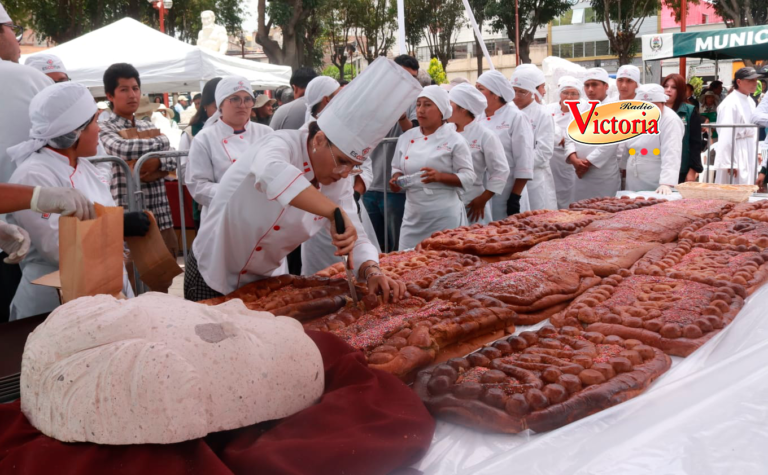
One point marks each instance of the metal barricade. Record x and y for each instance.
(387, 142)
(179, 175)
(733, 144)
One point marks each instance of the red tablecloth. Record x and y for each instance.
(367, 422)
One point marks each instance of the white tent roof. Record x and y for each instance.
(165, 63)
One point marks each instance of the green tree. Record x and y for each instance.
(479, 8)
(621, 20)
(416, 21)
(531, 15)
(339, 22)
(332, 71)
(436, 71)
(445, 20)
(299, 37)
(375, 25)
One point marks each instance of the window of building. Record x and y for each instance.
(704, 19)
(556, 50)
(564, 19)
(589, 48)
(589, 15)
(460, 51)
(602, 48)
(578, 16)
(578, 50)
(566, 50)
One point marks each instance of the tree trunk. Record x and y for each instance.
(525, 51)
(479, 55)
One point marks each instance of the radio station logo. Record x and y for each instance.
(605, 124)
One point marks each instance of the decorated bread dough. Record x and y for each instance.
(613, 204)
(606, 252)
(757, 210)
(158, 369)
(675, 315)
(697, 208)
(651, 224)
(539, 380)
(564, 221)
(492, 239)
(746, 232)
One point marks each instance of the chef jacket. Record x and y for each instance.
(563, 173)
(251, 226)
(647, 172)
(489, 163)
(737, 108)
(50, 169)
(541, 189)
(213, 151)
(602, 178)
(514, 131)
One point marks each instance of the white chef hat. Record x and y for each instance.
(469, 98)
(4, 18)
(47, 63)
(528, 77)
(55, 111)
(570, 82)
(598, 74)
(630, 72)
(317, 89)
(362, 113)
(651, 93)
(226, 87)
(439, 96)
(497, 83)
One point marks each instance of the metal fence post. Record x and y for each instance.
(733, 144)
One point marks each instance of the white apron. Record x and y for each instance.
(489, 163)
(647, 172)
(514, 131)
(49, 169)
(563, 173)
(541, 189)
(434, 206)
(737, 108)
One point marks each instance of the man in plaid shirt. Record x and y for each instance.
(123, 89)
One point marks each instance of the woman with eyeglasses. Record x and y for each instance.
(227, 136)
(570, 89)
(436, 163)
(290, 187)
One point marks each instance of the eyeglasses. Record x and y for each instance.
(237, 101)
(348, 169)
(570, 94)
(18, 30)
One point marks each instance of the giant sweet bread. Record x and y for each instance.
(751, 234)
(405, 336)
(675, 315)
(564, 221)
(493, 239)
(157, 369)
(539, 380)
(702, 209)
(606, 252)
(652, 224)
(525, 285)
(419, 267)
(613, 204)
(757, 210)
(302, 298)
(709, 266)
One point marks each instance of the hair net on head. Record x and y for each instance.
(651, 93)
(570, 82)
(497, 83)
(317, 89)
(226, 87)
(46, 63)
(469, 98)
(54, 112)
(439, 96)
(629, 72)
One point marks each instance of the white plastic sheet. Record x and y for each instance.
(706, 415)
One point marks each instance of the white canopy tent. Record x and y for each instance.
(165, 63)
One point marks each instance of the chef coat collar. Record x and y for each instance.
(441, 131)
(309, 172)
(228, 129)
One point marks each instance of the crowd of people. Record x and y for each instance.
(269, 175)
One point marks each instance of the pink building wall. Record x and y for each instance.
(695, 16)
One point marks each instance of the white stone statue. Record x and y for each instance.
(212, 37)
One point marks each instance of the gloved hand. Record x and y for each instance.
(357, 201)
(64, 201)
(135, 224)
(664, 190)
(14, 241)
(513, 204)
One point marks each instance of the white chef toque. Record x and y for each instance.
(4, 18)
(362, 113)
(469, 98)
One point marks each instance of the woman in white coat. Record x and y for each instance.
(541, 189)
(439, 160)
(488, 159)
(283, 193)
(570, 89)
(64, 131)
(653, 160)
(504, 119)
(227, 136)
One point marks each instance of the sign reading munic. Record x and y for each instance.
(735, 43)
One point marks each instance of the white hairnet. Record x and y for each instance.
(56, 111)
(630, 72)
(47, 63)
(469, 98)
(599, 74)
(497, 83)
(570, 82)
(226, 87)
(439, 96)
(528, 77)
(651, 93)
(317, 89)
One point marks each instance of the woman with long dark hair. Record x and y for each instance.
(690, 165)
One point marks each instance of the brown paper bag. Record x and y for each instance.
(91, 254)
(156, 266)
(134, 133)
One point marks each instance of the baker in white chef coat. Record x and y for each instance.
(317, 253)
(440, 158)
(488, 159)
(658, 168)
(227, 136)
(64, 131)
(504, 119)
(627, 82)
(597, 172)
(737, 108)
(569, 89)
(285, 191)
(541, 189)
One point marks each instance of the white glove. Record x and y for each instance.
(664, 190)
(15, 241)
(64, 201)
